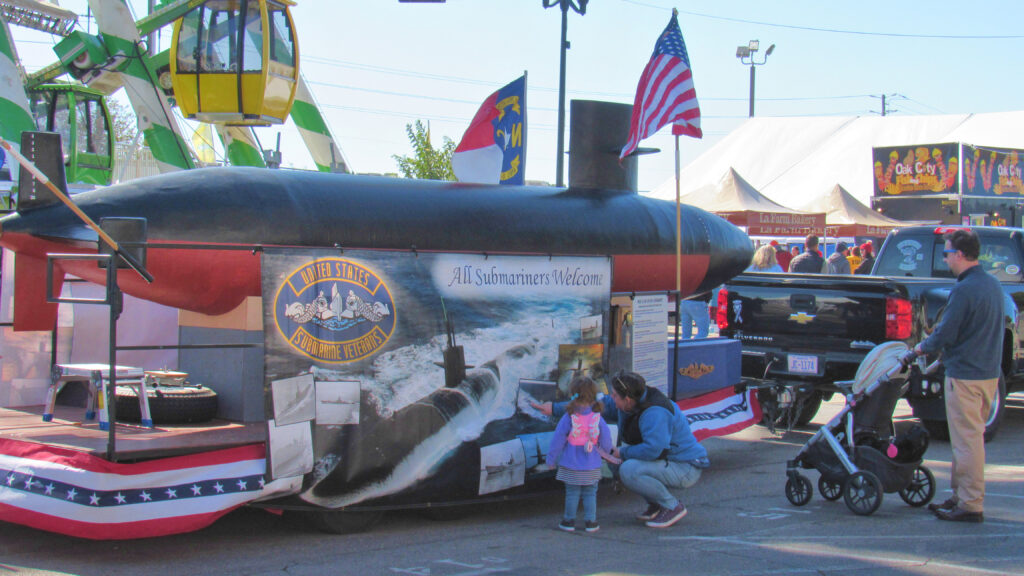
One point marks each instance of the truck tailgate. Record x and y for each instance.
(811, 311)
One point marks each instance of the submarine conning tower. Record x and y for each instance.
(597, 132)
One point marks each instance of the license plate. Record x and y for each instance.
(800, 364)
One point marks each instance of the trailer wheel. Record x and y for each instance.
(445, 513)
(939, 430)
(340, 522)
(168, 404)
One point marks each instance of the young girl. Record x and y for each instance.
(577, 447)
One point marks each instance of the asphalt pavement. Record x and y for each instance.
(739, 523)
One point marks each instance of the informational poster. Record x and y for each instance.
(992, 172)
(650, 339)
(416, 375)
(916, 170)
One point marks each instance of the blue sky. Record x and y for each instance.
(375, 66)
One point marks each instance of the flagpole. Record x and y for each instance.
(679, 277)
(679, 244)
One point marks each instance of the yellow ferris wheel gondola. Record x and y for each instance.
(236, 62)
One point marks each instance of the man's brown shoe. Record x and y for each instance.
(959, 515)
(948, 505)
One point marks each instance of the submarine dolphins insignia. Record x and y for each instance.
(353, 324)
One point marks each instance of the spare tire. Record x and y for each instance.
(168, 404)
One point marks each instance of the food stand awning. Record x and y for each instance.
(847, 216)
(736, 200)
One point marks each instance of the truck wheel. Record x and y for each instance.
(799, 413)
(938, 429)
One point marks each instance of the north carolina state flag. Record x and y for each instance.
(493, 149)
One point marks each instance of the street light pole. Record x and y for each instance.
(751, 115)
(746, 56)
(580, 6)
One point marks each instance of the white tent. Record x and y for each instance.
(845, 216)
(793, 160)
(734, 199)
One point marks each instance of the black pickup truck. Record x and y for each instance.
(802, 332)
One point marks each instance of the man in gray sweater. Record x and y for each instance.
(970, 337)
(837, 262)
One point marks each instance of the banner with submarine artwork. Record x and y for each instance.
(402, 378)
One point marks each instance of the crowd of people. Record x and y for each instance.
(773, 257)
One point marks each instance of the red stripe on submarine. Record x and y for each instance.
(205, 228)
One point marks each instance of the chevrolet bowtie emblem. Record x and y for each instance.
(801, 317)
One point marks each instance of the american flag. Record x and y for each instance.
(665, 93)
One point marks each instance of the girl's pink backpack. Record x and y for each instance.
(586, 430)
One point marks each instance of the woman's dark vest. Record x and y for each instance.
(630, 426)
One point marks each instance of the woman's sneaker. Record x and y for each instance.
(648, 514)
(593, 527)
(666, 518)
(567, 525)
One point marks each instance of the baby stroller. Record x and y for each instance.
(859, 453)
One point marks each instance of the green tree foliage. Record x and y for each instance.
(426, 162)
(125, 125)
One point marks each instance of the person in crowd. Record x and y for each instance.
(810, 262)
(658, 451)
(693, 313)
(970, 338)
(782, 256)
(869, 259)
(580, 440)
(854, 258)
(764, 260)
(837, 262)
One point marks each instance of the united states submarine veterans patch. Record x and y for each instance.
(334, 311)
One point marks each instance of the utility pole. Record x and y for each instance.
(886, 101)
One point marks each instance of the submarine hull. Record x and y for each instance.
(207, 226)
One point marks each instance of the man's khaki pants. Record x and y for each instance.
(968, 403)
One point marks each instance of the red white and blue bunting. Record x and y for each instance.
(77, 494)
(721, 412)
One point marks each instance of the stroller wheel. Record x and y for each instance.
(921, 489)
(830, 490)
(863, 493)
(798, 490)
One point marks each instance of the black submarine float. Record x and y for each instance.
(206, 233)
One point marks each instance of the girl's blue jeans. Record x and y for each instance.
(573, 494)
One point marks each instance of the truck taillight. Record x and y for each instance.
(897, 318)
(722, 314)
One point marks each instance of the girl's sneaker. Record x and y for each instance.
(567, 525)
(593, 526)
